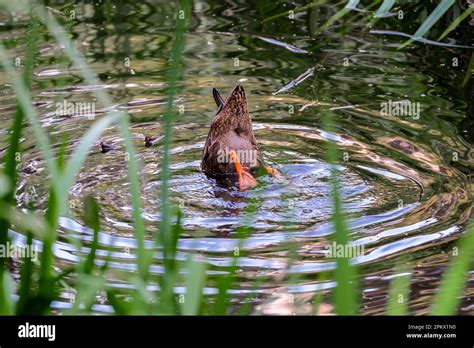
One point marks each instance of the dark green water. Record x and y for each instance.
(405, 178)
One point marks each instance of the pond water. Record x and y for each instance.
(404, 176)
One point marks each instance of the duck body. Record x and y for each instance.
(231, 153)
(104, 148)
(151, 141)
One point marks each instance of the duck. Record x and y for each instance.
(104, 148)
(150, 141)
(231, 153)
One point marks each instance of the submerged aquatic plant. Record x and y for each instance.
(378, 10)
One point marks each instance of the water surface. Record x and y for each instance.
(404, 181)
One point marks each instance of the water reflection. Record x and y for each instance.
(403, 193)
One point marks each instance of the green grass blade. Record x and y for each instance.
(142, 298)
(447, 299)
(469, 70)
(384, 8)
(296, 10)
(340, 14)
(8, 288)
(120, 306)
(10, 162)
(439, 11)
(167, 301)
(398, 298)
(88, 286)
(47, 276)
(24, 100)
(319, 295)
(46, 293)
(225, 282)
(173, 77)
(166, 237)
(345, 294)
(456, 22)
(124, 123)
(91, 215)
(196, 276)
(10, 159)
(25, 280)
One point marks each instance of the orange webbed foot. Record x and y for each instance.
(273, 172)
(245, 179)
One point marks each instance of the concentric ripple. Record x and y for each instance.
(402, 192)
